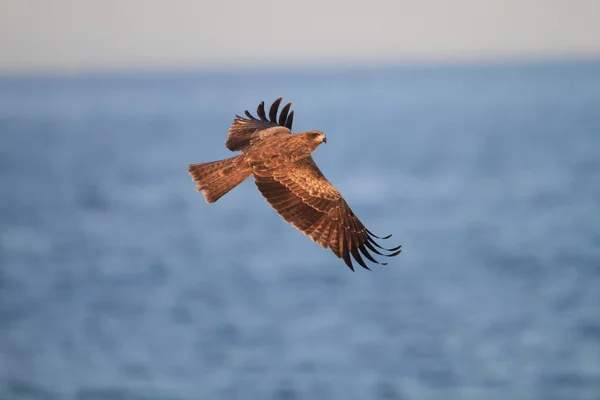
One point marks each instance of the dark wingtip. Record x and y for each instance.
(370, 240)
(290, 120)
(358, 258)
(395, 248)
(366, 254)
(369, 244)
(373, 249)
(286, 117)
(261, 111)
(348, 261)
(273, 110)
(375, 236)
(284, 114)
(394, 254)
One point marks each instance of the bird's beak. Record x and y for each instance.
(324, 140)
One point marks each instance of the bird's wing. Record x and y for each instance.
(245, 132)
(301, 194)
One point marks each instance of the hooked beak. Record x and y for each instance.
(325, 140)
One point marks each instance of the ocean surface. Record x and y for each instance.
(117, 280)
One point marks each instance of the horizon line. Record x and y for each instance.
(295, 67)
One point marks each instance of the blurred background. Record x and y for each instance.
(470, 130)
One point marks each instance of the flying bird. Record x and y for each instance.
(287, 176)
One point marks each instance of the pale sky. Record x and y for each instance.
(80, 35)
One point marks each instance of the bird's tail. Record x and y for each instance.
(214, 179)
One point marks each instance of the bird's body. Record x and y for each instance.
(289, 179)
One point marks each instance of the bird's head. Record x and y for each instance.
(317, 137)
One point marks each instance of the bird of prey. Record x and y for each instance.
(289, 179)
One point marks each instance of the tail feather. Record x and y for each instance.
(215, 179)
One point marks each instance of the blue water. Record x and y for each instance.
(117, 280)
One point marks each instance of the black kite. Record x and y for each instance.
(289, 179)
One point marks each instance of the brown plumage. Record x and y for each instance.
(289, 179)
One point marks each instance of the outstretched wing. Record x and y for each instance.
(245, 132)
(301, 194)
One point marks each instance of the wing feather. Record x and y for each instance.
(245, 132)
(284, 115)
(301, 194)
(321, 229)
(334, 239)
(260, 111)
(289, 121)
(273, 110)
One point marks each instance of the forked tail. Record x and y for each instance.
(214, 179)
